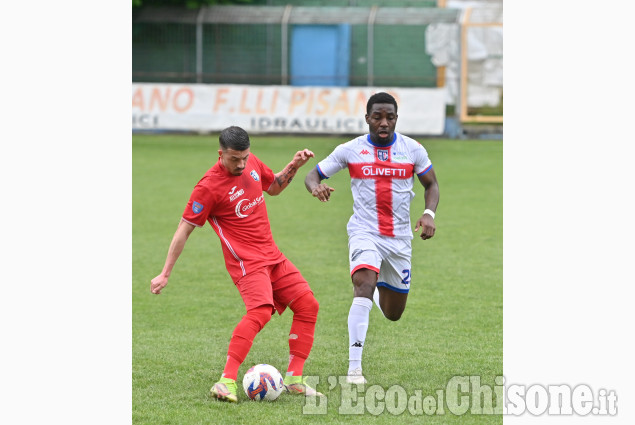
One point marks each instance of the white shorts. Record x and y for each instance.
(390, 257)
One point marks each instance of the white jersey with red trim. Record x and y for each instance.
(381, 181)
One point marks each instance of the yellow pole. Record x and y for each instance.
(441, 69)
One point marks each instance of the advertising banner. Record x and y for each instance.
(279, 109)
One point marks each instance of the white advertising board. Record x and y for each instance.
(279, 109)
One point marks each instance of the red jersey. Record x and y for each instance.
(235, 208)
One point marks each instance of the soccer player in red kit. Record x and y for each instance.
(230, 197)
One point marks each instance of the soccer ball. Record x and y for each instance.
(263, 382)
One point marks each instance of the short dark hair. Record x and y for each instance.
(234, 138)
(380, 97)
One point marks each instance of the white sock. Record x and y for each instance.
(357, 327)
(376, 299)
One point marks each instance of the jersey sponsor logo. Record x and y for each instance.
(380, 170)
(255, 175)
(371, 171)
(244, 206)
(236, 195)
(233, 189)
(197, 207)
(364, 152)
(382, 154)
(399, 155)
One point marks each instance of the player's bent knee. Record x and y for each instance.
(393, 316)
(313, 304)
(310, 301)
(306, 306)
(362, 288)
(259, 316)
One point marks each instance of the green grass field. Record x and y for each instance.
(452, 326)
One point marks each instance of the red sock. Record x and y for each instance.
(301, 335)
(243, 337)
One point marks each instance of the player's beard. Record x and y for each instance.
(383, 140)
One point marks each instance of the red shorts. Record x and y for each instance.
(276, 285)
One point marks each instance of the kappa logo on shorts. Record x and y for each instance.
(255, 175)
(197, 207)
(356, 254)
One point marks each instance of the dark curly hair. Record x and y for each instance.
(380, 97)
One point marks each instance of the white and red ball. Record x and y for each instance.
(263, 382)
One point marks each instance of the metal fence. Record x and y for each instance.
(253, 44)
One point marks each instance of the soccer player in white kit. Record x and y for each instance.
(382, 166)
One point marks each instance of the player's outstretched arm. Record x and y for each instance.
(176, 247)
(319, 190)
(284, 177)
(426, 221)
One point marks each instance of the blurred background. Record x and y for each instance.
(451, 48)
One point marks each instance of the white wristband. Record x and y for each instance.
(430, 212)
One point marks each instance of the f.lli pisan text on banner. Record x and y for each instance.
(279, 109)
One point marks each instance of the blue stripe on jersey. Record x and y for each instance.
(392, 288)
(425, 171)
(322, 175)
